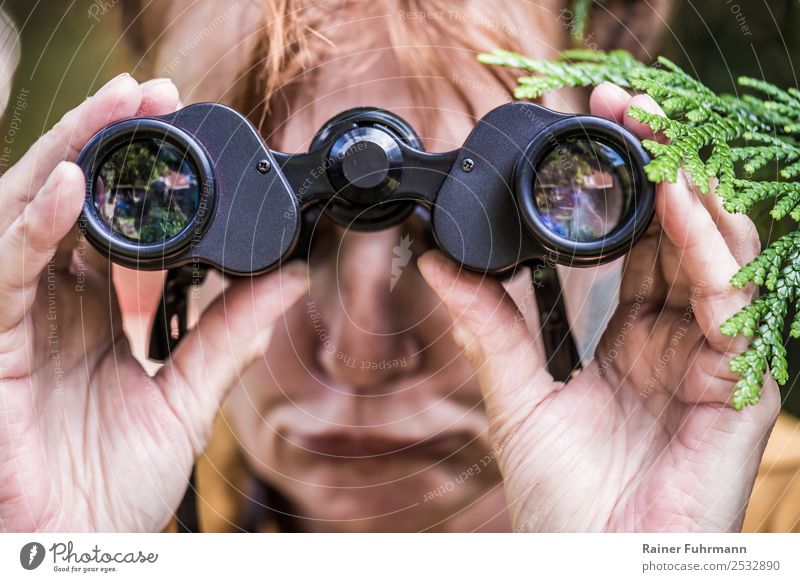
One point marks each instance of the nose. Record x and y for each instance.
(369, 343)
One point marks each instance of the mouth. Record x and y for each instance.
(343, 446)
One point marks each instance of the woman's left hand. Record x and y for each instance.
(645, 438)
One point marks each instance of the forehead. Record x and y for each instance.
(201, 44)
(370, 54)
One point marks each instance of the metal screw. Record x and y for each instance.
(467, 164)
(264, 166)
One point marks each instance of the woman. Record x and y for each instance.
(358, 403)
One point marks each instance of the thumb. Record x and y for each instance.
(231, 334)
(490, 330)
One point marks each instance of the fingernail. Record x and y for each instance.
(462, 337)
(156, 81)
(295, 268)
(113, 82)
(616, 88)
(428, 265)
(59, 178)
(647, 103)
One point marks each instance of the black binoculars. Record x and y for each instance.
(200, 187)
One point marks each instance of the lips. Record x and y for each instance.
(349, 445)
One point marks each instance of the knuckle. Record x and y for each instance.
(29, 236)
(60, 138)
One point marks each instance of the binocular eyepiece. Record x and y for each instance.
(200, 186)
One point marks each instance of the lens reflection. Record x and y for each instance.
(583, 189)
(147, 191)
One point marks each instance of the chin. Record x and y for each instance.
(401, 498)
(354, 511)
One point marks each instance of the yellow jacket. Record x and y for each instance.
(775, 502)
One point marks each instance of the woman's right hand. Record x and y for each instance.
(88, 440)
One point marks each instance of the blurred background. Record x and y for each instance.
(70, 48)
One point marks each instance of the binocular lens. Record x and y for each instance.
(147, 190)
(583, 189)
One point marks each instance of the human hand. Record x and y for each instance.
(645, 438)
(88, 440)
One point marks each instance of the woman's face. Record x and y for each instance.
(363, 411)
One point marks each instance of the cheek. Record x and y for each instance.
(285, 377)
(255, 407)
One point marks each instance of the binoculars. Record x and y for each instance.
(200, 187)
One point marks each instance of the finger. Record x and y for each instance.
(613, 102)
(232, 333)
(728, 445)
(707, 377)
(704, 257)
(32, 240)
(639, 129)
(642, 280)
(609, 101)
(491, 332)
(159, 97)
(738, 230)
(118, 99)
